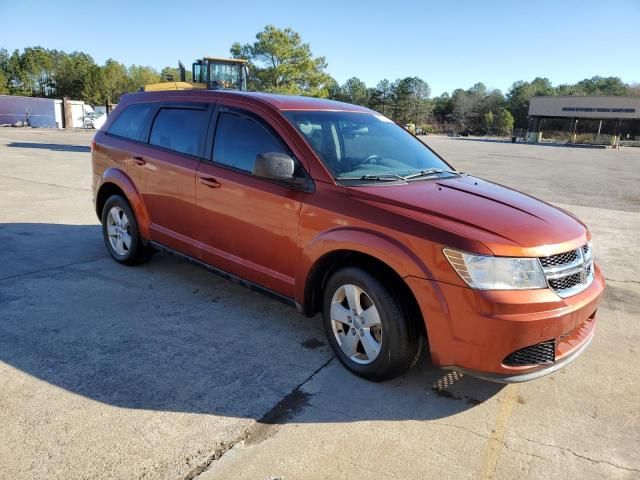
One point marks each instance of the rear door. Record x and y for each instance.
(248, 225)
(176, 145)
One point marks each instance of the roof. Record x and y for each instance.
(297, 102)
(220, 59)
(277, 101)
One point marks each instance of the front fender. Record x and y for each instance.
(117, 177)
(375, 244)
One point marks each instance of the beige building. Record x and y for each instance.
(606, 117)
(605, 107)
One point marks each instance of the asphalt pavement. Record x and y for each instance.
(167, 371)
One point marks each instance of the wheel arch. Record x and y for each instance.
(335, 260)
(115, 182)
(375, 252)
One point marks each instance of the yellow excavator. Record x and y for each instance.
(209, 73)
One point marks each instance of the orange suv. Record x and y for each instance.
(335, 209)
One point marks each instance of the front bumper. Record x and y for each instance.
(474, 331)
(525, 377)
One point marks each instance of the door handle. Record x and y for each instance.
(139, 160)
(209, 182)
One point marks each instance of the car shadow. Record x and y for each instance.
(55, 147)
(169, 336)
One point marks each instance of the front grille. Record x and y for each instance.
(538, 354)
(564, 283)
(568, 273)
(559, 259)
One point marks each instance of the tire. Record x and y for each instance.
(373, 349)
(120, 233)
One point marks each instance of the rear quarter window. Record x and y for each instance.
(133, 122)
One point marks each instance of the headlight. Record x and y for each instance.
(497, 273)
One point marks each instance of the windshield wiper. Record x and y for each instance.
(384, 177)
(430, 171)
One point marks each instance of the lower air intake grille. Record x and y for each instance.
(541, 353)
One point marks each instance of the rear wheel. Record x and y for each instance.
(366, 326)
(120, 232)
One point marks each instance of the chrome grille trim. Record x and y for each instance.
(577, 263)
(561, 269)
(562, 273)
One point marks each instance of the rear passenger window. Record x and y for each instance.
(133, 122)
(239, 139)
(182, 130)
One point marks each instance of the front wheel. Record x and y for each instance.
(366, 325)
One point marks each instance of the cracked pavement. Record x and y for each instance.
(167, 371)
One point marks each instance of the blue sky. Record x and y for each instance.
(448, 44)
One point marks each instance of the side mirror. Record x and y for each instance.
(274, 165)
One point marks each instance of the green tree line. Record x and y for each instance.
(39, 72)
(280, 62)
(477, 109)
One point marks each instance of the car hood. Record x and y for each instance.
(506, 221)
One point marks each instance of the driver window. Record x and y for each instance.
(239, 139)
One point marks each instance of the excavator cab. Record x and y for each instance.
(220, 74)
(209, 73)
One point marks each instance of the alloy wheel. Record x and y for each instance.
(118, 230)
(356, 324)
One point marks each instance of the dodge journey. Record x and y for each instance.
(337, 210)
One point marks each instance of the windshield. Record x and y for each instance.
(365, 146)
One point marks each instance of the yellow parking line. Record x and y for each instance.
(496, 440)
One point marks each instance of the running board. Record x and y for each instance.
(224, 274)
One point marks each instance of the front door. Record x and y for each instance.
(249, 225)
